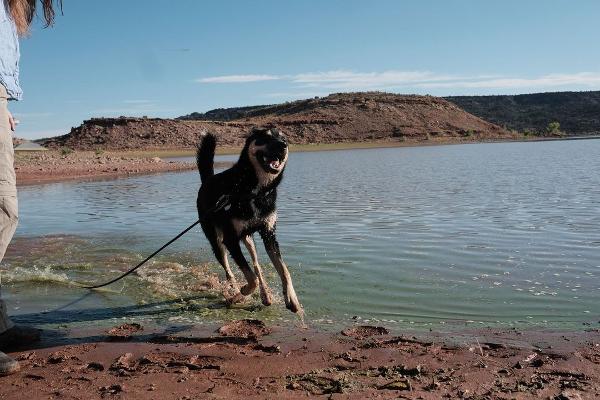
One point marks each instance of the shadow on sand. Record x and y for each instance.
(156, 334)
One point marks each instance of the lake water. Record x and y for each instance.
(483, 234)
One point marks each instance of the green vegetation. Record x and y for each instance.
(577, 111)
(528, 132)
(65, 151)
(553, 129)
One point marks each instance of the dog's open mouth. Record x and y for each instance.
(272, 164)
(275, 164)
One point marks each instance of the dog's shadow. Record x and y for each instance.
(155, 312)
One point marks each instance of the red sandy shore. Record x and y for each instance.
(247, 359)
(53, 166)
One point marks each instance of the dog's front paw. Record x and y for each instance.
(266, 298)
(249, 288)
(235, 299)
(293, 306)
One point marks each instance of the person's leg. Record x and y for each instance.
(8, 225)
(8, 217)
(8, 194)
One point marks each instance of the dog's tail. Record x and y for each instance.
(205, 156)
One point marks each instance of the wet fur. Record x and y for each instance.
(252, 191)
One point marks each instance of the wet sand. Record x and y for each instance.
(247, 359)
(54, 166)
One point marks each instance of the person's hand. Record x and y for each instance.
(11, 122)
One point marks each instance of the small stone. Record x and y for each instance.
(537, 363)
(113, 389)
(95, 366)
(56, 359)
(568, 395)
(397, 385)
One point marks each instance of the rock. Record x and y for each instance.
(364, 331)
(124, 332)
(245, 328)
(95, 366)
(56, 358)
(124, 362)
(112, 389)
(538, 362)
(156, 160)
(273, 349)
(25, 356)
(568, 395)
(403, 384)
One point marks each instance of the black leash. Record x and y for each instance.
(222, 202)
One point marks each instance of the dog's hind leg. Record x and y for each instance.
(233, 245)
(272, 247)
(215, 238)
(265, 292)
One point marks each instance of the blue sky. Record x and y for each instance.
(169, 58)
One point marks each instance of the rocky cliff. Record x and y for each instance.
(347, 117)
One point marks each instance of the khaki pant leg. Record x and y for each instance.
(9, 218)
(8, 181)
(8, 195)
(8, 225)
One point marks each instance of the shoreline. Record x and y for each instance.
(381, 144)
(54, 166)
(248, 359)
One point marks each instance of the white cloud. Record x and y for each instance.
(588, 79)
(366, 80)
(345, 80)
(238, 78)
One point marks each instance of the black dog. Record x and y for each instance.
(248, 191)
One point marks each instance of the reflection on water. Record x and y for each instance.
(493, 233)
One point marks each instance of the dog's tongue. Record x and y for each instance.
(275, 164)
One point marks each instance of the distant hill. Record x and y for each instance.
(577, 112)
(346, 117)
(224, 114)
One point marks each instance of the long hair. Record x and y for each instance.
(23, 11)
